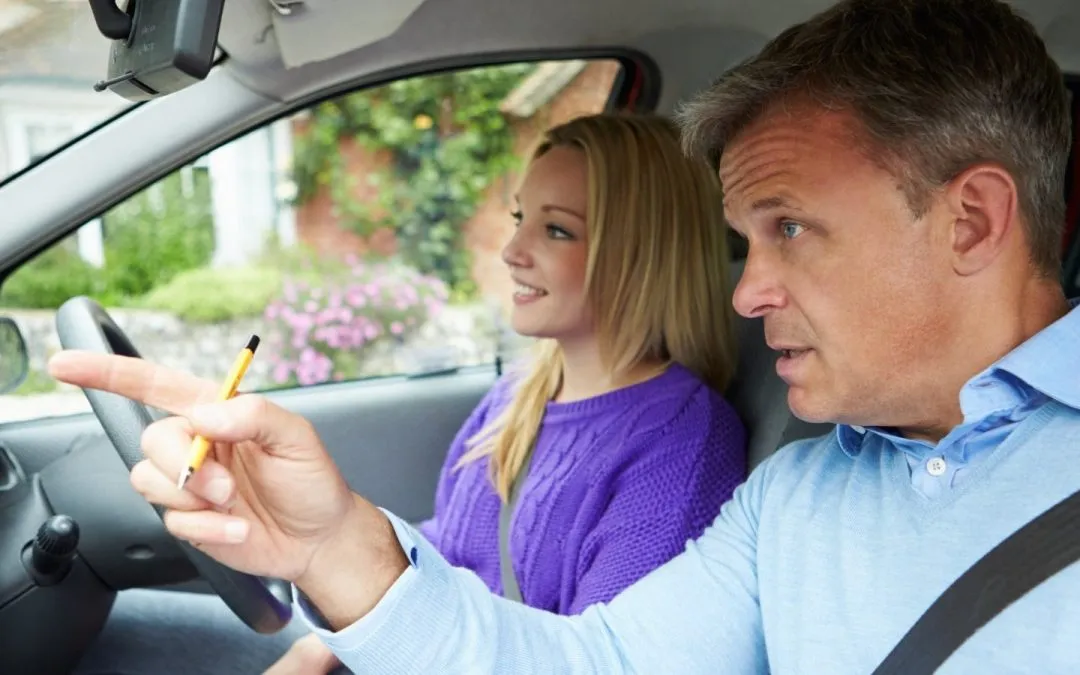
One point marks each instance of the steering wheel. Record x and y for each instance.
(263, 604)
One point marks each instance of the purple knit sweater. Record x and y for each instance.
(617, 486)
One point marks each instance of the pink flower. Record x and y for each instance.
(300, 322)
(271, 312)
(396, 328)
(282, 372)
(311, 307)
(355, 296)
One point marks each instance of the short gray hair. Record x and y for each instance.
(936, 85)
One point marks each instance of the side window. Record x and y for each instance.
(359, 238)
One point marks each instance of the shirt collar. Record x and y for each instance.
(1045, 364)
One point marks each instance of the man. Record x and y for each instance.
(897, 168)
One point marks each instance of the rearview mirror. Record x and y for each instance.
(159, 46)
(14, 360)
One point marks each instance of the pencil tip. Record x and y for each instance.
(183, 479)
(253, 343)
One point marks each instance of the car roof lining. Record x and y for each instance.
(436, 30)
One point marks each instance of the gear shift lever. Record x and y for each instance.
(49, 557)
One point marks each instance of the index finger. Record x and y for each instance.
(173, 391)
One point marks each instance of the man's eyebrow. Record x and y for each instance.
(769, 203)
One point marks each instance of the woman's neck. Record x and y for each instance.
(585, 375)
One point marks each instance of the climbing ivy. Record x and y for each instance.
(446, 141)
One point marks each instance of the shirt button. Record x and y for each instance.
(857, 429)
(936, 466)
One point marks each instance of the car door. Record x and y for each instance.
(359, 237)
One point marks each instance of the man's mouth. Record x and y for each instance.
(792, 353)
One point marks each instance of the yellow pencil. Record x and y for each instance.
(200, 446)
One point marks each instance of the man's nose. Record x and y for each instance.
(759, 289)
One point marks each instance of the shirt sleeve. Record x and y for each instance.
(698, 613)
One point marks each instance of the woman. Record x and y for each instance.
(616, 433)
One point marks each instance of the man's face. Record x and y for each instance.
(853, 289)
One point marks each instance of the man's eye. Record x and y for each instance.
(790, 229)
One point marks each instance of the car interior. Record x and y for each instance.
(267, 59)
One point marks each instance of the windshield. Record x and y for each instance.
(51, 55)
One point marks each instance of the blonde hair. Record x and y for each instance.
(657, 274)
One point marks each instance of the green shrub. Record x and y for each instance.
(149, 238)
(48, 280)
(36, 382)
(158, 233)
(210, 295)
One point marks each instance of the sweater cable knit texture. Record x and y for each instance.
(618, 484)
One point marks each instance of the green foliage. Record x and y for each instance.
(160, 232)
(36, 382)
(50, 279)
(149, 238)
(209, 295)
(447, 142)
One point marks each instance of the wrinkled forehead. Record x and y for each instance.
(791, 147)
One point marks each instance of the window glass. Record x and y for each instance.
(358, 238)
(51, 55)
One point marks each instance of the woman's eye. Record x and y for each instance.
(556, 232)
(791, 229)
(517, 216)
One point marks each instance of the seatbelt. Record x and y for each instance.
(511, 589)
(1025, 559)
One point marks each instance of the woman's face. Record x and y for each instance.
(548, 253)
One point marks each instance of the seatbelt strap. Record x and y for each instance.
(1025, 559)
(511, 589)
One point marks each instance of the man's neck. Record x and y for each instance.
(1039, 303)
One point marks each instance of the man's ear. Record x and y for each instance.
(982, 202)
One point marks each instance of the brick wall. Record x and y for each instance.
(317, 221)
(318, 224)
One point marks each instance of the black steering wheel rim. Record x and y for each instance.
(264, 605)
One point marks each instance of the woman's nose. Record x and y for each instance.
(515, 252)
